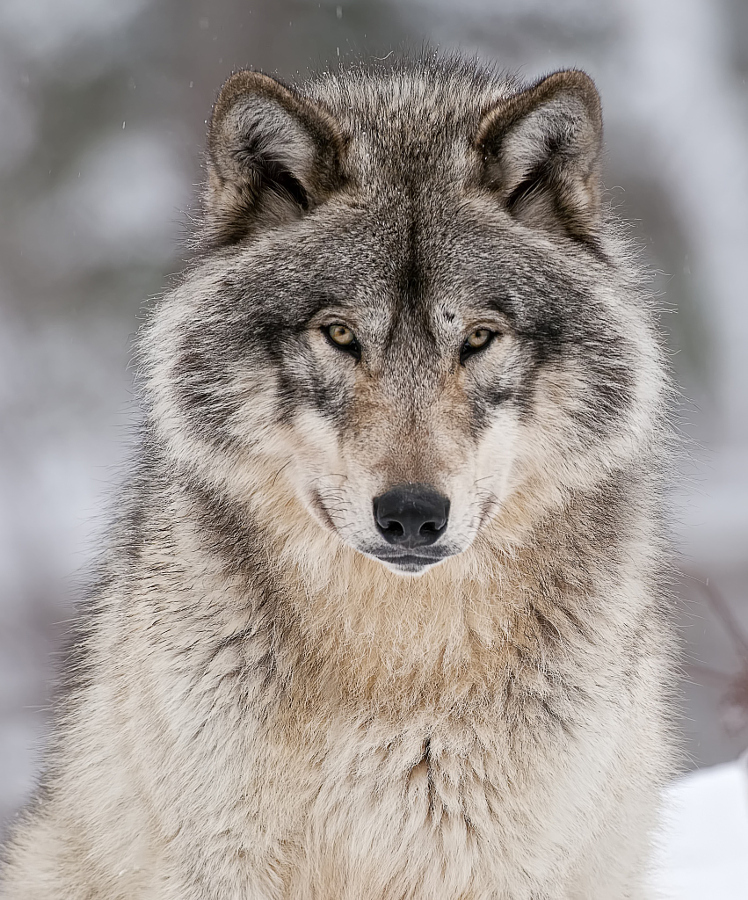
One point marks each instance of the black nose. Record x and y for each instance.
(411, 515)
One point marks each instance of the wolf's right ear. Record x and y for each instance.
(272, 156)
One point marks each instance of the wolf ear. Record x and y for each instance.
(272, 156)
(541, 154)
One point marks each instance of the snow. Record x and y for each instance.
(703, 853)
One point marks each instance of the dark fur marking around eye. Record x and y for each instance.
(548, 337)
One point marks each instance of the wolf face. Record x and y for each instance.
(408, 329)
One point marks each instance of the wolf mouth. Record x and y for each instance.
(411, 563)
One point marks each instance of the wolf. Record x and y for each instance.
(384, 613)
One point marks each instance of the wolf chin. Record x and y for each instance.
(384, 614)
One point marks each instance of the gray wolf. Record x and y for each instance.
(384, 612)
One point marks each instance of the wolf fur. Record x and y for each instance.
(270, 701)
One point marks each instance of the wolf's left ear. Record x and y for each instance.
(541, 154)
(272, 156)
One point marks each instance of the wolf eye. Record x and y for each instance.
(477, 340)
(343, 338)
(340, 334)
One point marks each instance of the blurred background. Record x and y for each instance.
(102, 123)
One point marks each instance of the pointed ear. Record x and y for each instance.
(541, 154)
(272, 157)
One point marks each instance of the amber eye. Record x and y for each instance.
(342, 337)
(477, 340)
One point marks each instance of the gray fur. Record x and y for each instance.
(267, 704)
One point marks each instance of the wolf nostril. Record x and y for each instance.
(411, 515)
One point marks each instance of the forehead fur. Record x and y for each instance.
(414, 104)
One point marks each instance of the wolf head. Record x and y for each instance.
(410, 324)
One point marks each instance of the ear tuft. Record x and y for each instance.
(541, 154)
(273, 155)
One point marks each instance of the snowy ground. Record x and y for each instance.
(704, 850)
